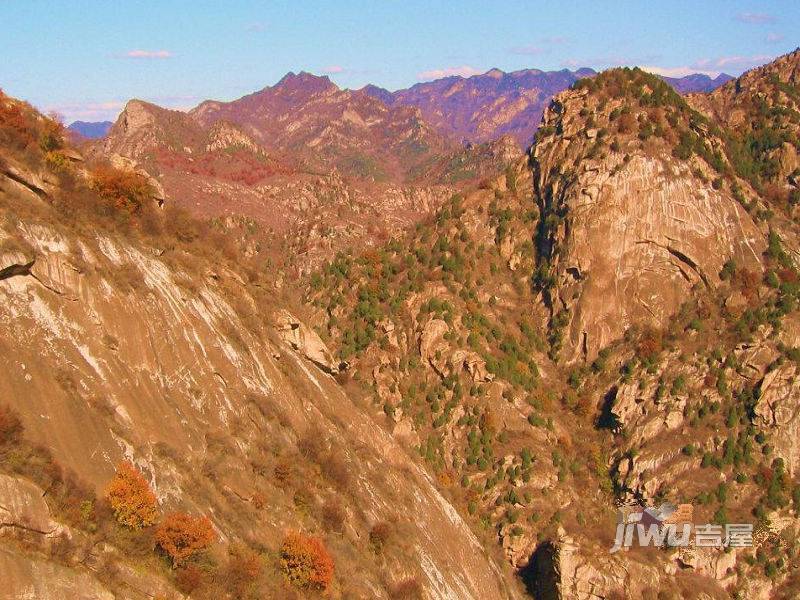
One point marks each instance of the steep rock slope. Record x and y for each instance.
(153, 348)
(630, 224)
(663, 270)
(441, 331)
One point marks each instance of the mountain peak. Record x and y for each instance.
(378, 92)
(305, 81)
(90, 129)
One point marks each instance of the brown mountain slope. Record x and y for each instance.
(761, 111)
(309, 116)
(303, 211)
(142, 341)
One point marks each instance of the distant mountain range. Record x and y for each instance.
(484, 107)
(310, 118)
(697, 82)
(474, 109)
(91, 129)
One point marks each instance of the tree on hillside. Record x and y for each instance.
(133, 502)
(182, 536)
(306, 562)
(122, 190)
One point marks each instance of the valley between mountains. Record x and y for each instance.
(328, 343)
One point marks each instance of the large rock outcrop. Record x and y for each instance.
(628, 234)
(306, 341)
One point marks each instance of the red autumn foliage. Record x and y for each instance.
(182, 536)
(133, 502)
(239, 166)
(15, 127)
(788, 275)
(749, 282)
(189, 579)
(306, 562)
(650, 345)
(244, 568)
(122, 190)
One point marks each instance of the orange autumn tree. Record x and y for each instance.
(182, 536)
(133, 502)
(306, 562)
(123, 190)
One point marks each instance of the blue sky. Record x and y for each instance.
(85, 59)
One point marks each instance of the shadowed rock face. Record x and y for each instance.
(629, 233)
(540, 574)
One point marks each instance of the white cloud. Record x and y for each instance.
(333, 70)
(774, 37)
(256, 27)
(148, 54)
(755, 18)
(462, 71)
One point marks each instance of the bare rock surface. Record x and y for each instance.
(630, 238)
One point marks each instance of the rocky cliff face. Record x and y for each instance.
(628, 229)
(663, 370)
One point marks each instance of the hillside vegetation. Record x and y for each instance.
(161, 431)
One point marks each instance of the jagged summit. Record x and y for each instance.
(304, 81)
